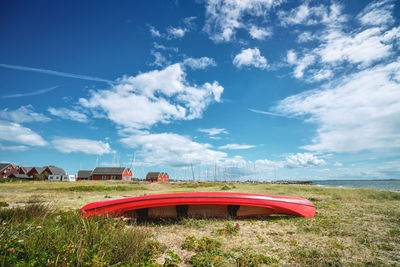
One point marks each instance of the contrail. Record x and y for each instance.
(268, 113)
(31, 93)
(56, 73)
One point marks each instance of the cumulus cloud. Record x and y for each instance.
(358, 112)
(303, 160)
(15, 133)
(23, 114)
(68, 114)
(152, 97)
(235, 146)
(172, 149)
(225, 17)
(338, 46)
(199, 63)
(259, 33)
(250, 57)
(87, 146)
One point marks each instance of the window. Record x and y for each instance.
(114, 177)
(105, 177)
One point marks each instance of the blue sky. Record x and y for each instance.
(255, 89)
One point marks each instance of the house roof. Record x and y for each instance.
(57, 171)
(84, 174)
(26, 169)
(152, 174)
(39, 169)
(108, 171)
(19, 176)
(4, 165)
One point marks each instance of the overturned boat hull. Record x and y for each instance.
(201, 205)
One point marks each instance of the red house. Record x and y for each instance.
(35, 170)
(157, 177)
(6, 169)
(111, 173)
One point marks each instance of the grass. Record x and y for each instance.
(36, 235)
(39, 226)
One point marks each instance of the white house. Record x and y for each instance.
(59, 178)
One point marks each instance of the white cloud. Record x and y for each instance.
(156, 96)
(250, 57)
(311, 15)
(68, 114)
(303, 14)
(300, 63)
(15, 133)
(165, 48)
(377, 13)
(303, 160)
(214, 131)
(87, 146)
(159, 59)
(154, 32)
(19, 148)
(337, 164)
(236, 146)
(357, 112)
(199, 63)
(339, 46)
(306, 37)
(23, 114)
(259, 33)
(176, 32)
(225, 17)
(172, 149)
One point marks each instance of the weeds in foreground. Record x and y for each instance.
(229, 229)
(209, 253)
(36, 235)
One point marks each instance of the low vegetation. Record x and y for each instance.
(39, 226)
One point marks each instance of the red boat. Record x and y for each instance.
(201, 204)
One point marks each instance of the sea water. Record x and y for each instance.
(374, 184)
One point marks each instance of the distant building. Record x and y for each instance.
(24, 170)
(157, 177)
(35, 170)
(54, 171)
(6, 169)
(84, 175)
(111, 173)
(61, 178)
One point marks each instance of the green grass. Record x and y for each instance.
(36, 235)
(352, 227)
